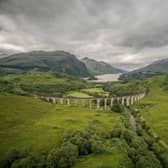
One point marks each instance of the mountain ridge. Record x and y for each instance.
(155, 68)
(59, 61)
(100, 67)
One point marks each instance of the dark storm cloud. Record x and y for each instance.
(120, 31)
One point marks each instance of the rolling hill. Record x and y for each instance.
(153, 69)
(57, 61)
(99, 67)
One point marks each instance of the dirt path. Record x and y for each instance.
(131, 120)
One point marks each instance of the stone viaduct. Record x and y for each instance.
(98, 103)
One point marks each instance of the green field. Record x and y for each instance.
(154, 107)
(88, 93)
(77, 94)
(95, 92)
(31, 123)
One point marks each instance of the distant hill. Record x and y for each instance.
(5, 53)
(158, 66)
(99, 67)
(153, 69)
(57, 61)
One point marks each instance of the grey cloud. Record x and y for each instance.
(122, 31)
(155, 37)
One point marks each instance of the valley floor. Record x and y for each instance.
(39, 126)
(30, 122)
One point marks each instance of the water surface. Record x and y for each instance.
(107, 78)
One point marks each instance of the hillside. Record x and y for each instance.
(158, 66)
(154, 107)
(99, 67)
(153, 69)
(40, 83)
(57, 61)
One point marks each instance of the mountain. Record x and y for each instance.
(155, 68)
(58, 61)
(5, 52)
(158, 66)
(99, 67)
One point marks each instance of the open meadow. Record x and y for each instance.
(38, 125)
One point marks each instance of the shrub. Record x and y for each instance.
(139, 130)
(148, 161)
(132, 154)
(41, 162)
(11, 156)
(28, 162)
(157, 148)
(96, 145)
(164, 159)
(119, 108)
(63, 157)
(139, 153)
(77, 138)
(128, 136)
(88, 141)
(116, 132)
(145, 126)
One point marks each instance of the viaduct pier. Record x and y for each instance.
(98, 103)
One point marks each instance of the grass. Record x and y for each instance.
(87, 93)
(154, 107)
(95, 91)
(38, 125)
(77, 94)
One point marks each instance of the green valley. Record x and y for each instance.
(30, 122)
(83, 84)
(86, 129)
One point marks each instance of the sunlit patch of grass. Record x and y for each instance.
(95, 91)
(77, 94)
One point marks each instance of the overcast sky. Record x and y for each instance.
(129, 33)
